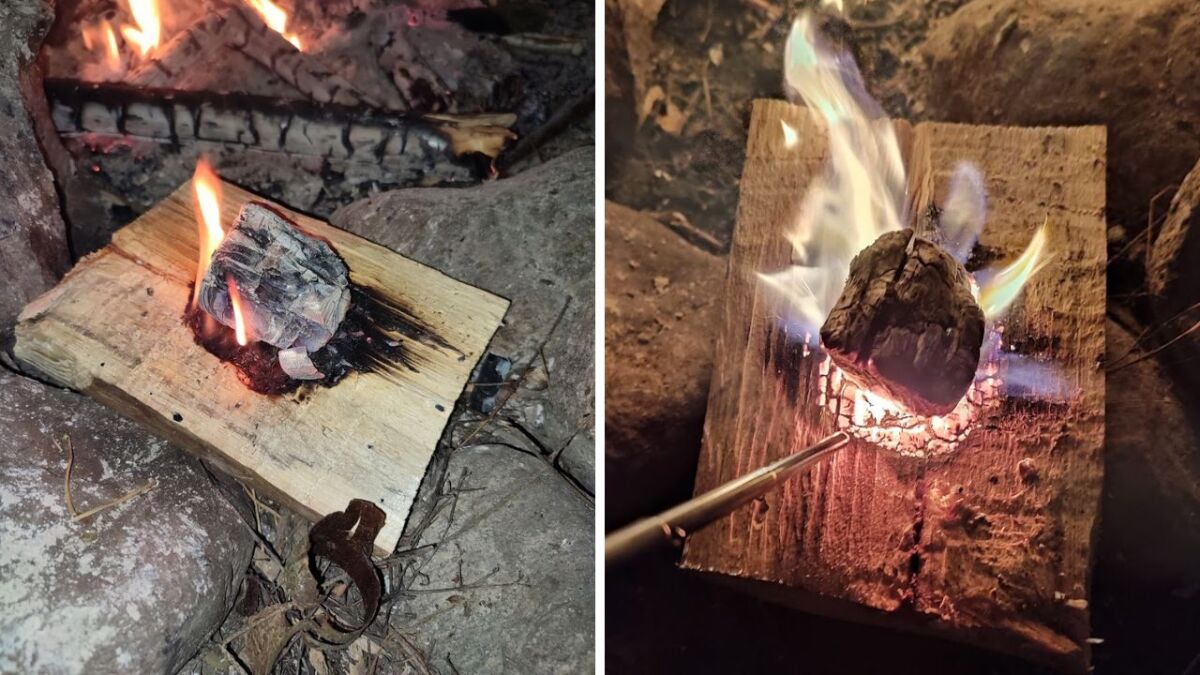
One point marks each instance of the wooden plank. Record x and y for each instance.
(113, 329)
(855, 537)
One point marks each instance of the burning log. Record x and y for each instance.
(906, 324)
(989, 542)
(237, 28)
(295, 289)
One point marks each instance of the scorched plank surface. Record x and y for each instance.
(113, 330)
(989, 543)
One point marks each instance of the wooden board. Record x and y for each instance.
(113, 330)
(876, 536)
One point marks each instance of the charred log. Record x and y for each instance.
(262, 123)
(907, 325)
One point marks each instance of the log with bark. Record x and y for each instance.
(989, 543)
(426, 143)
(112, 329)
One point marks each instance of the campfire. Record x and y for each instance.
(132, 41)
(913, 340)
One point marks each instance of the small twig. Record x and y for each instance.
(575, 107)
(76, 516)
(1194, 327)
(1151, 331)
(119, 500)
(1150, 221)
(70, 465)
(1146, 233)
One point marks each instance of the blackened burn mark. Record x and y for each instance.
(375, 337)
(786, 356)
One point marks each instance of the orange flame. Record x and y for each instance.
(110, 40)
(239, 322)
(276, 19)
(207, 189)
(103, 32)
(148, 32)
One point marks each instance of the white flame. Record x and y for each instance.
(861, 194)
(1002, 287)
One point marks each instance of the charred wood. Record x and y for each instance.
(906, 324)
(240, 29)
(295, 127)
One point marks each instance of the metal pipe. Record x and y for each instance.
(672, 526)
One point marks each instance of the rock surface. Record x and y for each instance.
(1152, 474)
(33, 248)
(661, 307)
(136, 588)
(1173, 275)
(528, 238)
(510, 583)
(1132, 66)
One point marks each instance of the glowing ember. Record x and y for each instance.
(888, 424)
(148, 32)
(207, 189)
(276, 19)
(239, 321)
(861, 196)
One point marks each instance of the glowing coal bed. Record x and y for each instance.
(887, 424)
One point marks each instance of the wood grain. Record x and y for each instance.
(113, 329)
(876, 536)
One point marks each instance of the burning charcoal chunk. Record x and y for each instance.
(906, 325)
(295, 289)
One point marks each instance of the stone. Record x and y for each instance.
(1131, 66)
(528, 238)
(658, 361)
(33, 246)
(136, 588)
(509, 586)
(578, 460)
(1152, 475)
(1173, 275)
